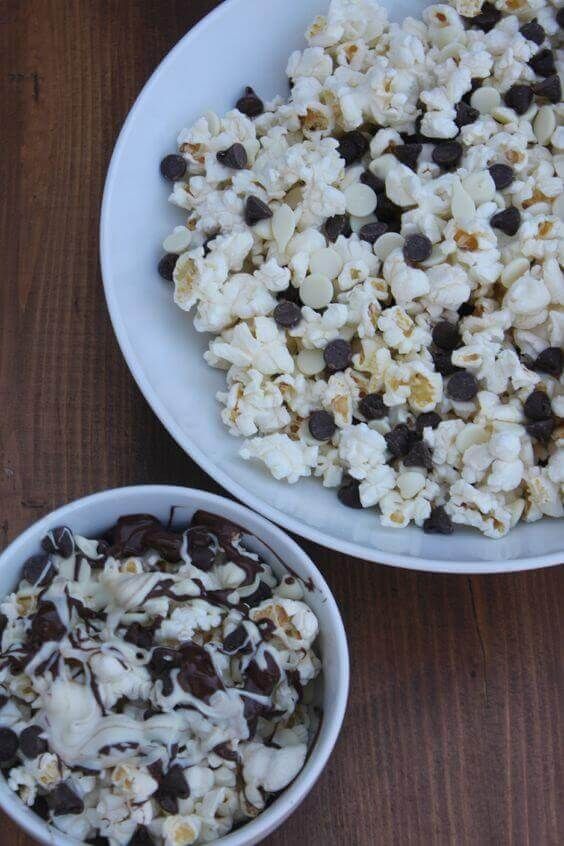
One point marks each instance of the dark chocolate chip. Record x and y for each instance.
(486, 18)
(560, 17)
(537, 406)
(349, 493)
(38, 570)
(438, 523)
(163, 660)
(447, 155)
(255, 210)
(549, 88)
(502, 175)
(174, 783)
(337, 355)
(417, 247)
(166, 266)
(321, 425)
(465, 114)
(372, 231)
(250, 103)
(372, 407)
(466, 308)
(462, 386)
(337, 225)
(46, 624)
(235, 157)
(8, 746)
(543, 62)
(59, 540)
(31, 743)
(235, 640)
(173, 167)
(98, 841)
(352, 146)
(446, 335)
(287, 314)
(387, 211)
(551, 361)
(541, 430)
(533, 31)
(63, 800)
(202, 548)
(443, 362)
(508, 220)
(368, 178)
(41, 808)
(519, 98)
(428, 418)
(168, 803)
(291, 294)
(400, 440)
(408, 154)
(419, 455)
(141, 837)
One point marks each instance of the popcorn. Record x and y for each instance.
(415, 383)
(400, 332)
(181, 831)
(181, 756)
(473, 507)
(314, 164)
(285, 459)
(361, 449)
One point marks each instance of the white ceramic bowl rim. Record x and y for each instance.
(290, 798)
(516, 556)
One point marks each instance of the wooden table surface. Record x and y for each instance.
(453, 732)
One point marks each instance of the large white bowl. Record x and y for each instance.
(242, 42)
(92, 515)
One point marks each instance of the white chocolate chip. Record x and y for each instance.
(326, 261)
(178, 241)
(462, 205)
(283, 225)
(485, 99)
(503, 115)
(544, 124)
(388, 242)
(480, 186)
(360, 199)
(310, 362)
(514, 270)
(316, 291)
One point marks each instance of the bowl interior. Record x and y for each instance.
(92, 515)
(164, 352)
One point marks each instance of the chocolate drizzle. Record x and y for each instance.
(197, 673)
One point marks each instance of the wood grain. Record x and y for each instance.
(453, 733)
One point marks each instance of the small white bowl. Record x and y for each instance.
(93, 514)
